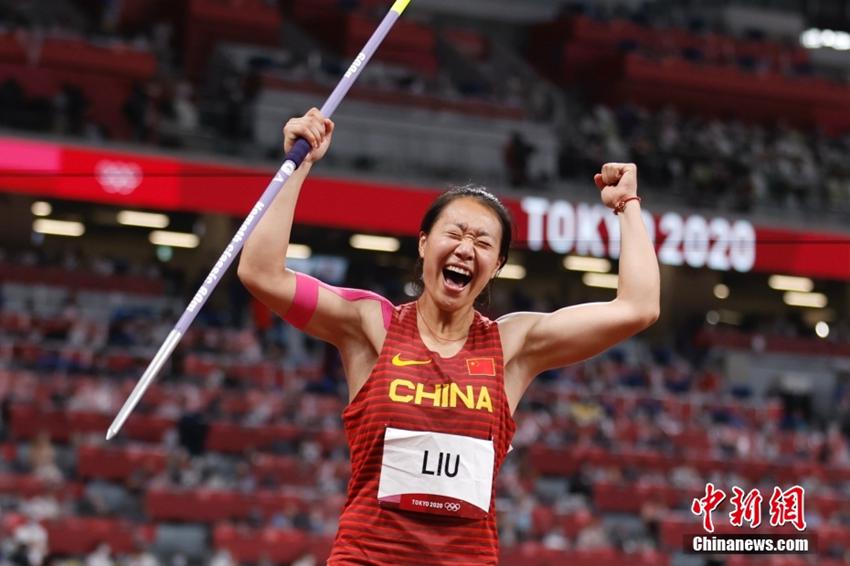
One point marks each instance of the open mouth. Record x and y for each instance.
(457, 277)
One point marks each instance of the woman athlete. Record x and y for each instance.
(433, 384)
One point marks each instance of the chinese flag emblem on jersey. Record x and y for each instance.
(481, 366)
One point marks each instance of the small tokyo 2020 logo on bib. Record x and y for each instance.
(436, 473)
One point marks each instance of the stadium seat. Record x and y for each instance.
(79, 536)
(249, 545)
(233, 438)
(118, 464)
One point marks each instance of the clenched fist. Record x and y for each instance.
(616, 182)
(314, 128)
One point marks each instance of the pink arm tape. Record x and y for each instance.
(307, 299)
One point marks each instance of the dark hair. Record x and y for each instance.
(481, 195)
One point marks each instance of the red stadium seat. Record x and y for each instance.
(542, 520)
(213, 21)
(565, 461)
(610, 497)
(249, 545)
(572, 524)
(55, 276)
(469, 42)
(532, 553)
(271, 502)
(595, 557)
(120, 362)
(147, 428)
(209, 506)
(535, 553)
(8, 451)
(694, 439)
(79, 536)
(202, 506)
(12, 47)
(319, 547)
(261, 374)
(27, 421)
(116, 61)
(282, 470)
(25, 485)
(403, 98)
(833, 536)
(227, 437)
(15, 322)
(120, 463)
(9, 522)
(643, 459)
(31, 486)
(196, 365)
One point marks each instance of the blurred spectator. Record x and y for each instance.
(43, 459)
(192, 430)
(101, 556)
(555, 540)
(593, 536)
(185, 111)
(69, 109)
(146, 558)
(179, 115)
(31, 544)
(222, 558)
(137, 110)
(12, 101)
(42, 507)
(306, 560)
(516, 155)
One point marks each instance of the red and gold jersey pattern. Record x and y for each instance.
(413, 388)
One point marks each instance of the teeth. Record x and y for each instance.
(460, 270)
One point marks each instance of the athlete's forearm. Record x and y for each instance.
(265, 250)
(639, 282)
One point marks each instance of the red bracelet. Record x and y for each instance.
(621, 206)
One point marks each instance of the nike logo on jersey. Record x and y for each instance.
(397, 361)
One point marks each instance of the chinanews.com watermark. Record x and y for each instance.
(785, 508)
(749, 544)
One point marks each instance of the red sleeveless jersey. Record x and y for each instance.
(415, 396)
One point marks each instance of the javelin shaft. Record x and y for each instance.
(292, 160)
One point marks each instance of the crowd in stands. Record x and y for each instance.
(706, 141)
(673, 30)
(711, 163)
(714, 163)
(237, 455)
(179, 100)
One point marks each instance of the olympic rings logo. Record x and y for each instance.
(453, 507)
(118, 178)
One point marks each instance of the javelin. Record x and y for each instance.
(291, 161)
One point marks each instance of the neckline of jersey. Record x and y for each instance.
(437, 354)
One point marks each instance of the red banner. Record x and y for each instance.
(148, 181)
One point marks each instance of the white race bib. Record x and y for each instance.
(433, 472)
